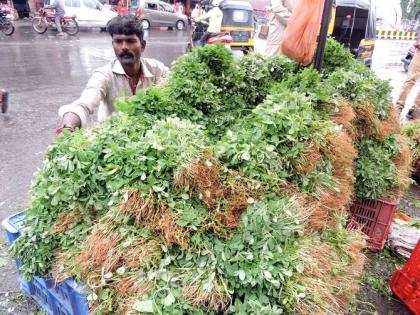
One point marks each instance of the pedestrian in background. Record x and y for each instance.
(215, 17)
(281, 11)
(58, 6)
(196, 12)
(412, 77)
(345, 28)
(179, 7)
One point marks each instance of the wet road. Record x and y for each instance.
(42, 72)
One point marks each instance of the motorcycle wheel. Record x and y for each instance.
(9, 30)
(39, 25)
(71, 27)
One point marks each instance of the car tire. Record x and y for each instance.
(180, 25)
(145, 24)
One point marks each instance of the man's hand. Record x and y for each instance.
(70, 121)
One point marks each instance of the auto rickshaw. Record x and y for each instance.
(238, 20)
(353, 24)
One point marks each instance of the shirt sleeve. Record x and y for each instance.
(162, 74)
(281, 12)
(204, 16)
(94, 92)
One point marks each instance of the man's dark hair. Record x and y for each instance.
(125, 25)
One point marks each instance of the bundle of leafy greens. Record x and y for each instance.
(412, 132)
(222, 191)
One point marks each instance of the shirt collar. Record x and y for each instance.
(118, 68)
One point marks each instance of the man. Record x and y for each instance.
(412, 76)
(196, 12)
(345, 28)
(58, 6)
(215, 16)
(123, 77)
(281, 11)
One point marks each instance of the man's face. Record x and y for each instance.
(127, 48)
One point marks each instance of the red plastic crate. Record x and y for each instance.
(375, 218)
(405, 283)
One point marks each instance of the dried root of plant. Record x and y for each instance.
(403, 164)
(141, 210)
(214, 300)
(138, 252)
(328, 208)
(227, 195)
(155, 215)
(62, 270)
(127, 291)
(404, 158)
(366, 121)
(329, 281)
(99, 253)
(390, 125)
(172, 232)
(311, 156)
(65, 219)
(345, 117)
(128, 287)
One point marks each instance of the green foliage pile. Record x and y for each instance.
(223, 191)
(375, 168)
(412, 131)
(270, 144)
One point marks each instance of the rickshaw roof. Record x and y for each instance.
(360, 4)
(236, 4)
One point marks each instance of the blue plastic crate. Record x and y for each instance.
(67, 298)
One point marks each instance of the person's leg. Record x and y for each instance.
(414, 112)
(58, 23)
(412, 76)
(204, 38)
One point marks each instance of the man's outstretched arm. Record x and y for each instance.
(77, 113)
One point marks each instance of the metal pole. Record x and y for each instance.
(323, 33)
(352, 26)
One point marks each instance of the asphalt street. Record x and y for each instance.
(42, 72)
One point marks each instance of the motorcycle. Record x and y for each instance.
(407, 59)
(6, 25)
(46, 19)
(199, 28)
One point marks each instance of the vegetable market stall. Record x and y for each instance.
(225, 190)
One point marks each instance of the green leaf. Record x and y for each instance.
(241, 275)
(168, 300)
(143, 306)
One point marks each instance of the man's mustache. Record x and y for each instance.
(126, 54)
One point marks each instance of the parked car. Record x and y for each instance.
(155, 13)
(89, 13)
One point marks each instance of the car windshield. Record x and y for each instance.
(92, 4)
(240, 16)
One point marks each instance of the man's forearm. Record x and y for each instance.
(71, 120)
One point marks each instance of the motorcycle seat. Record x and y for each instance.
(219, 33)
